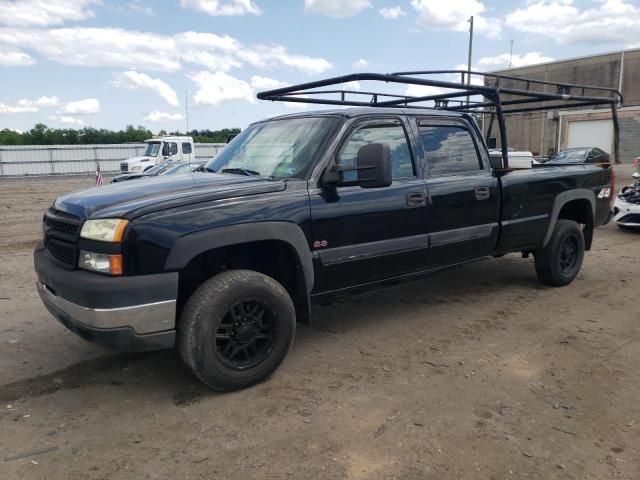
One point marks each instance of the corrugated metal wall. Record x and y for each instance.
(76, 159)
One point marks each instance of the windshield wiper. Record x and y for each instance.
(240, 171)
(206, 169)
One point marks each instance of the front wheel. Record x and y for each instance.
(559, 262)
(236, 329)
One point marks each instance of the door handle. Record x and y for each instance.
(416, 199)
(482, 193)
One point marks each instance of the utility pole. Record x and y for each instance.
(186, 109)
(510, 54)
(470, 53)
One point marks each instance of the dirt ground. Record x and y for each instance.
(476, 373)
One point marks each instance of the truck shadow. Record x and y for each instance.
(164, 370)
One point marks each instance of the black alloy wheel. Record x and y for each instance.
(246, 334)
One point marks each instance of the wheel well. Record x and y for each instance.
(274, 258)
(579, 211)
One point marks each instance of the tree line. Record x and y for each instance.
(40, 134)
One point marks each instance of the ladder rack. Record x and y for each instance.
(497, 96)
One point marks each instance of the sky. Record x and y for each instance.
(109, 63)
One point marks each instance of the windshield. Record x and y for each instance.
(158, 168)
(276, 149)
(571, 156)
(152, 149)
(182, 167)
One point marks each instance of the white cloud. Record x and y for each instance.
(42, 13)
(606, 21)
(264, 83)
(25, 105)
(66, 119)
(354, 86)
(157, 116)
(97, 47)
(502, 61)
(422, 90)
(135, 80)
(222, 7)
(336, 8)
(218, 87)
(454, 15)
(100, 47)
(392, 13)
(361, 64)
(138, 7)
(82, 107)
(12, 57)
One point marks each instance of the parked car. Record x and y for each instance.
(159, 150)
(626, 209)
(581, 155)
(165, 168)
(294, 210)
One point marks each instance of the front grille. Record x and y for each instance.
(64, 252)
(61, 232)
(62, 227)
(124, 167)
(631, 218)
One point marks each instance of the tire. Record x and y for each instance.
(222, 316)
(559, 263)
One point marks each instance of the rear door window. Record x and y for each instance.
(449, 150)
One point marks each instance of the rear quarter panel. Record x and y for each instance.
(529, 196)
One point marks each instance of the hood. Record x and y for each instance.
(137, 159)
(132, 199)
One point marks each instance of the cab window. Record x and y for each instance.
(392, 135)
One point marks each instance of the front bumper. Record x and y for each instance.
(626, 214)
(122, 313)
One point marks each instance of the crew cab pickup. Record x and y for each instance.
(222, 263)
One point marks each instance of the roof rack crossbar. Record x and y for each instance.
(614, 92)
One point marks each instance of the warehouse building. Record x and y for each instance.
(547, 132)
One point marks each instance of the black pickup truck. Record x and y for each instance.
(222, 263)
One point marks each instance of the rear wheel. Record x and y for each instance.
(560, 261)
(236, 329)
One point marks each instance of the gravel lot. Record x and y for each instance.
(475, 373)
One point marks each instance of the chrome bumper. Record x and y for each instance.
(142, 319)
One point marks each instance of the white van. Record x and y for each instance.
(160, 150)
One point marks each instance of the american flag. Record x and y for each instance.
(99, 181)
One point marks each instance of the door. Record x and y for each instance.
(362, 235)
(591, 133)
(463, 193)
(187, 149)
(170, 151)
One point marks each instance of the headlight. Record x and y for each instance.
(104, 229)
(135, 169)
(101, 262)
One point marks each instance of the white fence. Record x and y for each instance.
(76, 159)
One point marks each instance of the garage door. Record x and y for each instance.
(591, 133)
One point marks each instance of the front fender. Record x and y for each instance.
(190, 246)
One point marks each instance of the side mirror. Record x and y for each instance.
(373, 168)
(636, 175)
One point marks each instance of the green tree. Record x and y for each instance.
(40, 134)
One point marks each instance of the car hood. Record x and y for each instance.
(132, 199)
(137, 159)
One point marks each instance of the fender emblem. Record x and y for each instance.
(605, 192)
(320, 244)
